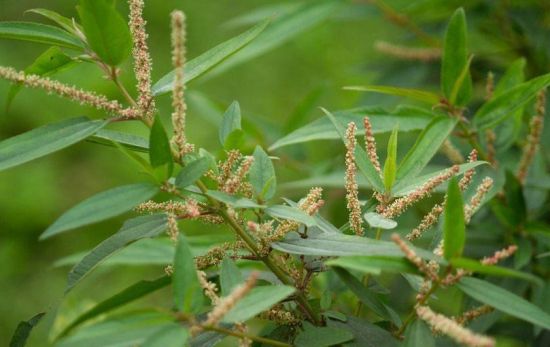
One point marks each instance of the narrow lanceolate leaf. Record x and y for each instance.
(192, 172)
(129, 141)
(262, 175)
(504, 301)
(455, 61)
(132, 293)
(105, 29)
(374, 264)
(425, 147)
(173, 335)
(418, 334)
(133, 230)
(187, 290)
(231, 122)
(256, 301)
(312, 336)
(454, 228)
(206, 61)
(23, 331)
(376, 220)
(504, 105)
(45, 140)
(291, 213)
(494, 270)
(415, 94)
(390, 166)
(230, 276)
(64, 22)
(35, 32)
(160, 152)
(102, 206)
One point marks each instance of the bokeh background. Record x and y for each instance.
(279, 91)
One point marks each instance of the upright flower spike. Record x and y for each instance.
(535, 132)
(97, 101)
(411, 255)
(475, 201)
(237, 179)
(452, 329)
(370, 144)
(178, 98)
(352, 189)
(451, 152)
(142, 59)
(408, 53)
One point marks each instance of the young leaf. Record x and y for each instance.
(64, 22)
(45, 140)
(160, 152)
(23, 331)
(187, 289)
(415, 94)
(256, 301)
(101, 206)
(505, 301)
(192, 172)
(132, 230)
(425, 147)
(173, 335)
(41, 33)
(376, 220)
(455, 60)
(418, 334)
(231, 122)
(390, 166)
(230, 276)
(262, 175)
(454, 227)
(312, 336)
(106, 30)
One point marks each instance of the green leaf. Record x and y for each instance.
(187, 289)
(102, 206)
(390, 166)
(262, 175)
(365, 333)
(312, 336)
(476, 266)
(415, 94)
(47, 63)
(127, 295)
(41, 33)
(230, 276)
(129, 141)
(230, 123)
(513, 76)
(464, 77)
(192, 172)
(504, 105)
(23, 330)
(206, 61)
(45, 140)
(418, 334)
(376, 220)
(454, 226)
(407, 118)
(232, 200)
(455, 60)
(256, 301)
(106, 30)
(426, 146)
(291, 213)
(132, 230)
(160, 152)
(64, 22)
(173, 335)
(504, 301)
(374, 264)
(513, 211)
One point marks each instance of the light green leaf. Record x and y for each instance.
(45, 140)
(106, 30)
(376, 220)
(262, 175)
(206, 61)
(256, 301)
(160, 152)
(132, 230)
(494, 270)
(129, 141)
(312, 336)
(390, 166)
(192, 172)
(41, 33)
(464, 77)
(64, 22)
(418, 334)
(23, 331)
(504, 301)
(455, 60)
(425, 147)
(173, 335)
(415, 94)
(187, 289)
(101, 206)
(291, 213)
(374, 264)
(504, 105)
(454, 226)
(231, 122)
(513, 76)
(232, 200)
(230, 276)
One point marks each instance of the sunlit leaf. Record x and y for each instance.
(41, 33)
(256, 301)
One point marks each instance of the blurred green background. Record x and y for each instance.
(279, 90)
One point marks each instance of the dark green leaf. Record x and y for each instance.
(390, 166)
(230, 276)
(45, 140)
(256, 301)
(504, 301)
(106, 30)
(374, 264)
(23, 330)
(187, 289)
(64, 22)
(133, 230)
(312, 336)
(415, 94)
(132, 142)
(35, 32)
(365, 333)
(160, 152)
(262, 175)
(231, 122)
(454, 226)
(476, 266)
(192, 172)
(418, 334)
(102, 206)
(173, 335)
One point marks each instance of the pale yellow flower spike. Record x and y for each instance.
(408, 53)
(535, 132)
(352, 189)
(370, 144)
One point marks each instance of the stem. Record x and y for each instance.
(251, 337)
